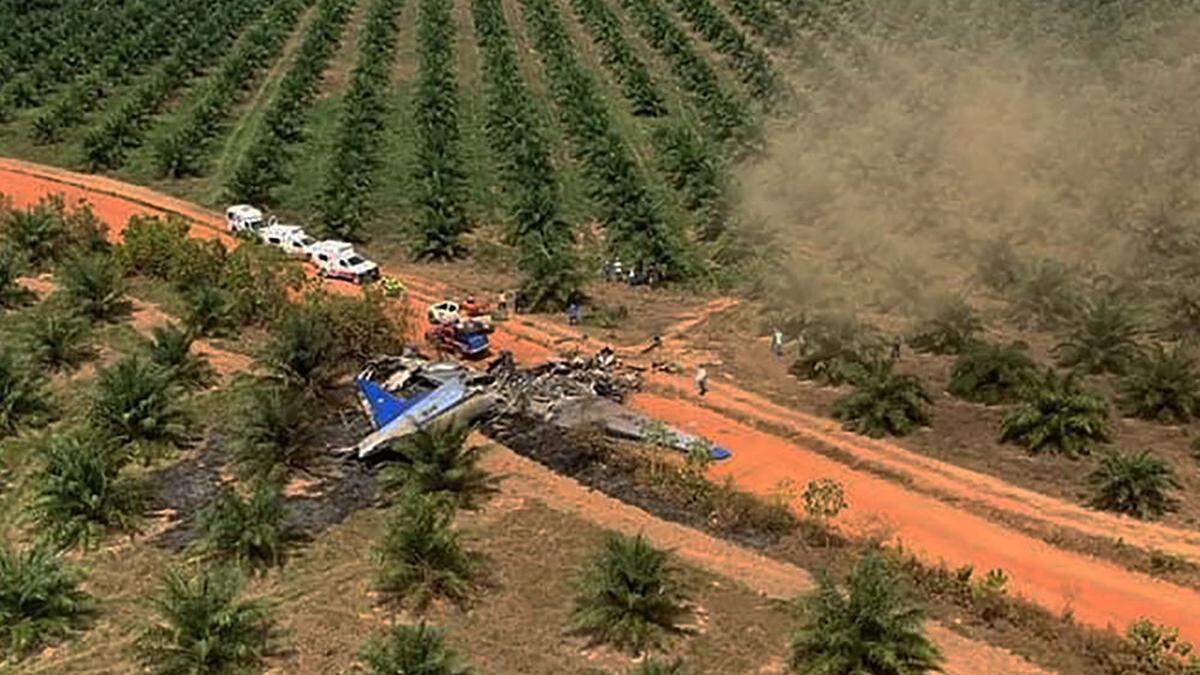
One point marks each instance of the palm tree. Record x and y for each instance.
(209, 310)
(1162, 386)
(883, 402)
(56, 337)
(303, 350)
(38, 232)
(1136, 484)
(1104, 340)
(24, 400)
(437, 460)
(1058, 415)
(1045, 295)
(80, 492)
(12, 294)
(952, 329)
(40, 599)
(837, 350)
(136, 400)
(421, 556)
(95, 285)
(992, 374)
(204, 626)
(171, 349)
(873, 627)
(629, 595)
(272, 428)
(252, 531)
(417, 649)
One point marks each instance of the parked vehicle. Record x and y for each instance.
(291, 239)
(339, 260)
(466, 338)
(243, 218)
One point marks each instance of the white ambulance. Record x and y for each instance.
(339, 260)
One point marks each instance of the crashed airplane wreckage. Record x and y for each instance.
(404, 394)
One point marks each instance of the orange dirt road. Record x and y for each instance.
(925, 520)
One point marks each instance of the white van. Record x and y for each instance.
(243, 218)
(290, 239)
(339, 260)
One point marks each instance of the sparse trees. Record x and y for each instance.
(992, 374)
(1057, 415)
(1103, 340)
(629, 595)
(40, 599)
(204, 625)
(873, 627)
(883, 402)
(1138, 484)
(1163, 386)
(415, 650)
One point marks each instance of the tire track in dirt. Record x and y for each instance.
(1098, 593)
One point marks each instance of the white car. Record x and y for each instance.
(243, 218)
(339, 260)
(444, 312)
(290, 239)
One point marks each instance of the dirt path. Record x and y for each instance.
(1099, 593)
(526, 479)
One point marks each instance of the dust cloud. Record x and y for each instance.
(928, 128)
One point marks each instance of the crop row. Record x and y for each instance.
(182, 147)
(543, 238)
(695, 169)
(262, 166)
(637, 233)
(29, 33)
(617, 56)
(348, 183)
(439, 178)
(750, 63)
(107, 143)
(86, 44)
(763, 21)
(725, 117)
(133, 54)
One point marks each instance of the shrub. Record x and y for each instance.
(1136, 484)
(1158, 648)
(40, 599)
(415, 649)
(136, 400)
(12, 294)
(1058, 416)
(208, 310)
(270, 428)
(24, 400)
(48, 231)
(1045, 295)
(152, 246)
(629, 595)
(952, 329)
(171, 349)
(95, 285)
(259, 279)
(56, 337)
(836, 350)
(656, 667)
(1162, 386)
(823, 498)
(81, 493)
(366, 325)
(203, 625)
(873, 627)
(992, 374)
(303, 349)
(1103, 340)
(421, 557)
(438, 461)
(252, 531)
(883, 402)
(999, 266)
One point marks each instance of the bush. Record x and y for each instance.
(48, 231)
(823, 498)
(438, 461)
(1104, 340)
(952, 329)
(260, 280)
(204, 626)
(40, 599)
(992, 374)
(303, 350)
(873, 627)
(12, 294)
(655, 667)
(412, 649)
(366, 325)
(95, 285)
(883, 402)
(836, 350)
(1135, 484)
(171, 349)
(629, 595)
(251, 531)
(136, 400)
(208, 310)
(1045, 295)
(1162, 386)
(24, 400)
(421, 557)
(56, 337)
(999, 266)
(151, 246)
(1058, 416)
(270, 427)
(80, 492)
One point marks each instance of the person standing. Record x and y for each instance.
(573, 314)
(701, 380)
(777, 343)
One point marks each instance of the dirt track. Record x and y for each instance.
(1098, 592)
